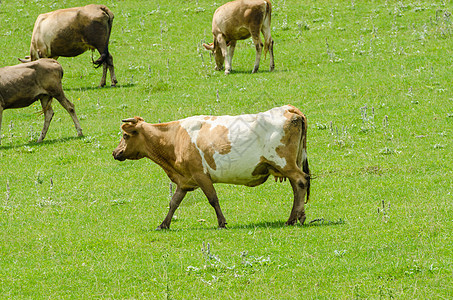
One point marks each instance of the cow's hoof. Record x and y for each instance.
(302, 219)
(162, 227)
(290, 223)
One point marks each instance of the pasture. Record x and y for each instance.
(373, 79)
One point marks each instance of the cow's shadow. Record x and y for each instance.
(45, 142)
(247, 71)
(281, 224)
(89, 88)
(320, 222)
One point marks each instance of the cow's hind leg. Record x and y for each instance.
(108, 65)
(268, 42)
(259, 49)
(46, 103)
(111, 70)
(174, 204)
(1, 116)
(208, 189)
(70, 109)
(299, 183)
(104, 74)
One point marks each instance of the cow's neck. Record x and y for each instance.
(160, 147)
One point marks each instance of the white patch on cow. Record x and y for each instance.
(251, 136)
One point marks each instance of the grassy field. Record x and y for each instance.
(372, 77)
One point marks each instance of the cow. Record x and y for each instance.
(72, 31)
(238, 20)
(23, 84)
(199, 151)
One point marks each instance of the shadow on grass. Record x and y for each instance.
(235, 71)
(45, 142)
(89, 88)
(281, 224)
(275, 224)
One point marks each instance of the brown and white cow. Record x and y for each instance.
(238, 20)
(23, 84)
(245, 150)
(72, 31)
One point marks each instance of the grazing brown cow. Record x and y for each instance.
(238, 20)
(23, 84)
(72, 31)
(202, 150)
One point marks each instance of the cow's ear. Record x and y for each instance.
(209, 47)
(129, 128)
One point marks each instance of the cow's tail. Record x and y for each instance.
(302, 158)
(267, 27)
(105, 52)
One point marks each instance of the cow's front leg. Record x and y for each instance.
(229, 60)
(174, 204)
(207, 187)
(221, 53)
(46, 103)
(69, 106)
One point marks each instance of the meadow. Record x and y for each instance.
(373, 79)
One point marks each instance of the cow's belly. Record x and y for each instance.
(241, 167)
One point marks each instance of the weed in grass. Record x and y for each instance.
(33, 134)
(331, 53)
(8, 194)
(211, 261)
(388, 134)
(340, 253)
(387, 151)
(48, 201)
(384, 210)
(341, 136)
(367, 119)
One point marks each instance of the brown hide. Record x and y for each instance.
(23, 84)
(239, 20)
(72, 31)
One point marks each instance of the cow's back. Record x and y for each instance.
(233, 19)
(231, 147)
(21, 84)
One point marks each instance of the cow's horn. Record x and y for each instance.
(132, 120)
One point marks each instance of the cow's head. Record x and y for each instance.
(132, 144)
(217, 51)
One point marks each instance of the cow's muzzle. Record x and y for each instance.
(118, 155)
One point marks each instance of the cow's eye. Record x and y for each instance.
(125, 136)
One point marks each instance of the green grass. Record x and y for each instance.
(372, 77)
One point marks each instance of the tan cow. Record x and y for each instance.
(238, 20)
(23, 84)
(245, 150)
(72, 31)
